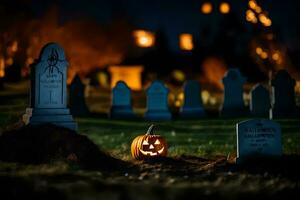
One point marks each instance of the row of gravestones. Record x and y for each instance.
(258, 137)
(157, 99)
(280, 102)
(49, 99)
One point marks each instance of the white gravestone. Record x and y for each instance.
(121, 107)
(233, 104)
(192, 107)
(259, 101)
(258, 138)
(49, 89)
(157, 102)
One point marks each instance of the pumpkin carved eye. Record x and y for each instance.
(145, 142)
(157, 142)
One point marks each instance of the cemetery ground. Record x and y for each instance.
(199, 165)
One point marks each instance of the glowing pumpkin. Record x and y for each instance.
(148, 146)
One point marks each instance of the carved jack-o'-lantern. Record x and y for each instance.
(148, 146)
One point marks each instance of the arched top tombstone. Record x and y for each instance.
(77, 83)
(283, 77)
(192, 93)
(259, 88)
(121, 94)
(283, 95)
(157, 102)
(233, 104)
(157, 87)
(49, 83)
(121, 107)
(259, 101)
(53, 51)
(121, 85)
(233, 75)
(49, 88)
(192, 107)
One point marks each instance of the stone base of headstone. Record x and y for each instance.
(79, 110)
(59, 117)
(234, 112)
(121, 112)
(158, 115)
(189, 113)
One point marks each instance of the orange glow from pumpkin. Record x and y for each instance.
(131, 75)
(144, 38)
(186, 41)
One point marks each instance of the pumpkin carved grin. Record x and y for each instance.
(152, 153)
(148, 146)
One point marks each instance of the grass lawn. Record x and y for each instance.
(196, 167)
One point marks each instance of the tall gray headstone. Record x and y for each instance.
(283, 95)
(121, 107)
(258, 138)
(77, 103)
(192, 107)
(49, 89)
(233, 104)
(259, 101)
(157, 102)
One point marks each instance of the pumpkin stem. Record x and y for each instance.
(150, 130)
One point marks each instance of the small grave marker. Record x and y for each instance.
(258, 138)
(233, 104)
(192, 107)
(121, 102)
(157, 102)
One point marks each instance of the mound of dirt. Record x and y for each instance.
(49, 143)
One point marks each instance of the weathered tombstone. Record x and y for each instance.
(259, 101)
(233, 104)
(121, 107)
(258, 138)
(49, 89)
(192, 107)
(283, 95)
(157, 102)
(77, 103)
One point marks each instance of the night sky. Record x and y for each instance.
(175, 17)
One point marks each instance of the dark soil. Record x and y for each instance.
(100, 176)
(49, 143)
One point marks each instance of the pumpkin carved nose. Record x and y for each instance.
(151, 146)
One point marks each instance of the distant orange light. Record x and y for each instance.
(144, 38)
(264, 55)
(131, 75)
(224, 8)
(275, 56)
(186, 41)
(258, 50)
(2, 68)
(258, 9)
(252, 4)
(250, 16)
(14, 46)
(206, 8)
(9, 61)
